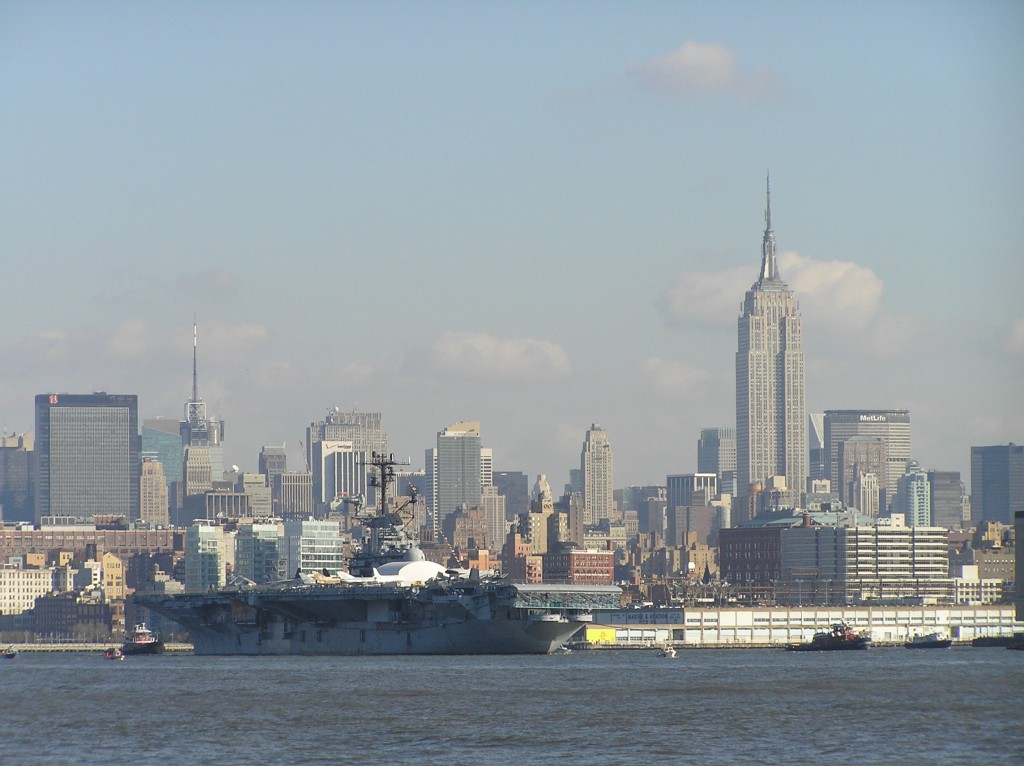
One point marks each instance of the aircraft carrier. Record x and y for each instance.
(391, 601)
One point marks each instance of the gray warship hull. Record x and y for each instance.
(384, 619)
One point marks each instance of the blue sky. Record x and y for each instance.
(535, 215)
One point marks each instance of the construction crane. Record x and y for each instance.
(305, 457)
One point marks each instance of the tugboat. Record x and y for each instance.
(839, 636)
(934, 640)
(141, 640)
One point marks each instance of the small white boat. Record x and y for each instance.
(935, 640)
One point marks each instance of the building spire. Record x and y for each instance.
(769, 268)
(195, 367)
(195, 408)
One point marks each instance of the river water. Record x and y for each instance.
(729, 706)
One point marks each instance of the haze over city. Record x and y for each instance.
(537, 216)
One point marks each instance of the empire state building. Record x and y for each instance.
(771, 411)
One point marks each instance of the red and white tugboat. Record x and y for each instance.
(141, 640)
(839, 636)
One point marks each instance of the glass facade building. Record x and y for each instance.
(87, 449)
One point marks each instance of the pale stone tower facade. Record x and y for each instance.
(596, 467)
(771, 408)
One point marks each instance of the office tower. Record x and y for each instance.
(341, 474)
(197, 473)
(486, 466)
(294, 491)
(596, 470)
(363, 429)
(947, 501)
(312, 546)
(865, 494)
(815, 447)
(161, 441)
(208, 550)
(891, 427)
(716, 453)
(860, 455)
(494, 511)
(771, 411)
(514, 486)
(258, 555)
(680, 488)
(87, 450)
(273, 461)
(17, 460)
(688, 505)
(254, 485)
(358, 435)
(1018, 564)
(202, 434)
(913, 497)
(457, 469)
(997, 483)
(153, 508)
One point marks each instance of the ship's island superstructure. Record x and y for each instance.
(391, 601)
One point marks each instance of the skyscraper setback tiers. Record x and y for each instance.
(771, 410)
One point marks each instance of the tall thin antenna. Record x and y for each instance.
(769, 268)
(195, 368)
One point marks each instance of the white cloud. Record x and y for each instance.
(840, 295)
(480, 355)
(672, 379)
(843, 295)
(703, 68)
(1015, 338)
(706, 298)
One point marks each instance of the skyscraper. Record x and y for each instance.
(87, 455)
(161, 441)
(17, 459)
(771, 411)
(716, 453)
(515, 487)
(860, 456)
(349, 439)
(458, 470)
(201, 436)
(913, 497)
(891, 427)
(153, 508)
(997, 483)
(596, 468)
(947, 499)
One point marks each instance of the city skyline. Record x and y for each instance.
(534, 217)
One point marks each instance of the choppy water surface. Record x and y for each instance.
(734, 706)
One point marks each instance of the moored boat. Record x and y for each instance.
(936, 640)
(839, 637)
(142, 640)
